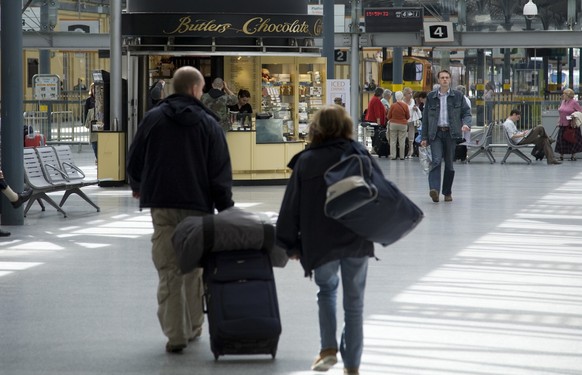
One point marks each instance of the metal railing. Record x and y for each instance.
(60, 121)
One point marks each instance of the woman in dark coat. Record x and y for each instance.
(323, 245)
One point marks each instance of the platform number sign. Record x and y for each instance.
(340, 55)
(438, 32)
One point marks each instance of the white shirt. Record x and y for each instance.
(511, 129)
(444, 113)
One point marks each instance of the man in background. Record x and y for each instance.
(218, 99)
(179, 166)
(445, 117)
(536, 136)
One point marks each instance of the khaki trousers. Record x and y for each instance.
(179, 296)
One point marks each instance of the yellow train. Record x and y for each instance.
(417, 74)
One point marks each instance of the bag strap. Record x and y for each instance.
(208, 234)
(268, 231)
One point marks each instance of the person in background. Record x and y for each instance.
(413, 121)
(398, 115)
(463, 90)
(536, 136)
(568, 106)
(156, 93)
(16, 199)
(376, 111)
(179, 166)
(218, 99)
(488, 96)
(445, 117)
(242, 106)
(80, 86)
(386, 95)
(323, 245)
(90, 104)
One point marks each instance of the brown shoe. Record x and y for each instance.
(325, 360)
(3, 233)
(554, 162)
(448, 198)
(175, 348)
(351, 371)
(434, 195)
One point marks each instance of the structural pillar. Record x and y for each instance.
(12, 107)
(115, 113)
(328, 35)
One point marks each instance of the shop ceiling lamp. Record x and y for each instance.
(530, 10)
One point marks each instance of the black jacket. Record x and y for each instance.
(179, 158)
(302, 226)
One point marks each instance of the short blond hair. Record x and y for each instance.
(570, 93)
(331, 121)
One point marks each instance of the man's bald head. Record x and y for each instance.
(188, 81)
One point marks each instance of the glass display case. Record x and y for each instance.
(293, 89)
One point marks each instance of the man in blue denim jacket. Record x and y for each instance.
(445, 117)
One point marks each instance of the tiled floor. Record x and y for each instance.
(490, 284)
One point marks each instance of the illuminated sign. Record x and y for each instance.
(381, 20)
(222, 25)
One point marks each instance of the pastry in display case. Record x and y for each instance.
(311, 95)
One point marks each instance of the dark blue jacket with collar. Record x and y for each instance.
(179, 158)
(302, 226)
(459, 113)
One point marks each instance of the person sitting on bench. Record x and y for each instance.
(536, 136)
(17, 199)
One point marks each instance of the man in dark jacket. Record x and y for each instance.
(179, 166)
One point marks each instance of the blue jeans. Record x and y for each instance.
(442, 147)
(353, 271)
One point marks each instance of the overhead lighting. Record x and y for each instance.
(530, 10)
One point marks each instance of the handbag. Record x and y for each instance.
(365, 202)
(90, 119)
(569, 134)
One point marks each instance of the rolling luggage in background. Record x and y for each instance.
(34, 140)
(461, 152)
(538, 153)
(241, 303)
(379, 142)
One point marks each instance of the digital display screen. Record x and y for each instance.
(381, 20)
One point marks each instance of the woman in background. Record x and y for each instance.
(398, 115)
(568, 106)
(90, 104)
(243, 106)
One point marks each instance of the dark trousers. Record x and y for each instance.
(538, 137)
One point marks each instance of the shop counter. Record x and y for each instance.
(265, 162)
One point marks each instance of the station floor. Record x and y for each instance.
(490, 284)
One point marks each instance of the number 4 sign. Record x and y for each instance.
(438, 32)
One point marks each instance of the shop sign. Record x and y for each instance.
(338, 92)
(221, 25)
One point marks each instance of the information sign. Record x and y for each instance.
(46, 86)
(381, 20)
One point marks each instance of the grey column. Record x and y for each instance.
(142, 86)
(328, 41)
(44, 61)
(355, 108)
(12, 107)
(115, 112)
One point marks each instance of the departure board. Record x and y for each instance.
(381, 20)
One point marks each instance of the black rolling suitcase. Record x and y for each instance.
(379, 142)
(241, 303)
(241, 300)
